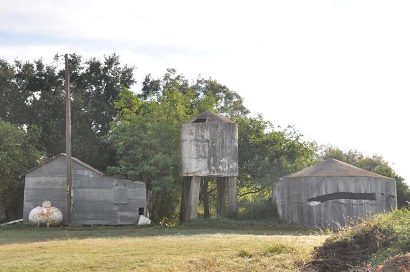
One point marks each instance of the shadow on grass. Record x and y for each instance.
(26, 234)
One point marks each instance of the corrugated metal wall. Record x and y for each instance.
(292, 195)
(96, 199)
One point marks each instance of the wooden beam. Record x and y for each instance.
(68, 141)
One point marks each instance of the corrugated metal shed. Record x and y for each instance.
(97, 199)
(331, 193)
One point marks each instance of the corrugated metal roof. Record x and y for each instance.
(208, 116)
(334, 168)
(74, 159)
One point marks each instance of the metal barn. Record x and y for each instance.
(332, 192)
(97, 199)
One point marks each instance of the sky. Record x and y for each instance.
(337, 70)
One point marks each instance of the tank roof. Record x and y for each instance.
(334, 168)
(208, 116)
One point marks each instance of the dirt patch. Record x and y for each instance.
(399, 263)
(349, 253)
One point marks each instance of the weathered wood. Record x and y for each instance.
(209, 148)
(232, 210)
(191, 198)
(69, 173)
(194, 197)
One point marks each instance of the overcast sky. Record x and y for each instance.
(339, 71)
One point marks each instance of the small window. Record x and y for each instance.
(120, 195)
(200, 120)
(141, 211)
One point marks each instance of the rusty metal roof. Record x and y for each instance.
(334, 168)
(208, 116)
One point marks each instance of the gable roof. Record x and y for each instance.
(334, 168)
(208, 116)
(72, 158)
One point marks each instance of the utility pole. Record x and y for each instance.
(68, 141)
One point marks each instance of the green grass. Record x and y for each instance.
(205, 245)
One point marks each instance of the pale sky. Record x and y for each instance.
(339, 71)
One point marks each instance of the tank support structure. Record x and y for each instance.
(227, 204)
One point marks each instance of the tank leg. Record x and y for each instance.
(190, 199)
(232, 197)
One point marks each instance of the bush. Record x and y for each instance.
(258, 209)
(368, 243)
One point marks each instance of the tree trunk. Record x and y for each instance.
(205, 197)
(184, 198)
(220, 197)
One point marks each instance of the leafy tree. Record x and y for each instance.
(374, 164)
(146, 133)
(32, 94)
(266, 153)
(18, 152)
(146, 136)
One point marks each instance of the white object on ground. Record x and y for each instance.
(144, 220)
(46, 215)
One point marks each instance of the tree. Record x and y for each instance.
(146, 137)
(18, 152)
(146, 133)
(374, 164)
(32, 94)
(266, 153)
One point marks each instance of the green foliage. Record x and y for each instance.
(374, 164)
(147, 142)
(258, 209)
(280, 249)
(33, 95)
(244, 254)
(18, 152)
(267, 153)
(146, 137)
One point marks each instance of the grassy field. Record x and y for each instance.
(202, 246)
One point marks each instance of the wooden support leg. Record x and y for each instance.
(220, 192)
(232, 197)
(190, 199)
(194, 197)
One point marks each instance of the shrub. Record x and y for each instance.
(258, 209)
(368, 243)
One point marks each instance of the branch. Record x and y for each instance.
(253, 192)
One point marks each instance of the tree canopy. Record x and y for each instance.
(18, 153)
(32, 94)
